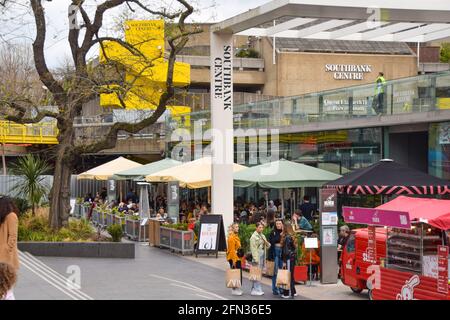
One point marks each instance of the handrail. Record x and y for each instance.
(38, 133)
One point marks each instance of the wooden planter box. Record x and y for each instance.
(177, 240)
(109, 219)
(121, 221)
(84, 212)
(77, 211)
(135, 231)
(95, 217)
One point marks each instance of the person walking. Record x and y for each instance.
(233, 253)
(380, 85)
(258, 246)
(275, 253)
(289, 247)
(8, 233)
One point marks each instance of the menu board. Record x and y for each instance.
(372, 244)
(442, 283)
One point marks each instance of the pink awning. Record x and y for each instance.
(434, 212)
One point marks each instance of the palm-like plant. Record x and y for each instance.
(33, 186)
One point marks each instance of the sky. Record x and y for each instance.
(19, 26)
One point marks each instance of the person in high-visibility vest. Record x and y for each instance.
(379, 92)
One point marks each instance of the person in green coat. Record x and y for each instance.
(258, 246)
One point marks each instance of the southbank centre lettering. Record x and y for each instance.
(348, 71)
(223, 84)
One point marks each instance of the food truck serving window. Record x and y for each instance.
(414, 250)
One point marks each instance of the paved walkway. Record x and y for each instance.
(154, 274)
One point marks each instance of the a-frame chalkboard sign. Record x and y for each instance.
(211, 236)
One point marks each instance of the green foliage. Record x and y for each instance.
(22, 205)
(245, 232)
(134, 217)
(177, 226)
(116, 232)
(445, 52)
(36, 228)
(31, 168)
(247, 53)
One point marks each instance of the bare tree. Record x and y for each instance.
(83, 81)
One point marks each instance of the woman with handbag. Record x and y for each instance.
(258, 247)
(289, 245)
(235, 254)
(275, 253)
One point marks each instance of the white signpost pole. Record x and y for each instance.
(222, 54)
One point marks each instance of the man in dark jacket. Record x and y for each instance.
(307, 208)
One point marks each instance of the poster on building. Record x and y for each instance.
(442, 283)
(329, 218)
(329, 237)
(208, 236)
(444, 133)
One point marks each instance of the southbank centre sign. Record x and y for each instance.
(223, 84)
(348, 71)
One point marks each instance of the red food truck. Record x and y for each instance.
(355, 258)
(414, 263)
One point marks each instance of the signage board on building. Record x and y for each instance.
(348, 71)
(442, 283)
(376, 217)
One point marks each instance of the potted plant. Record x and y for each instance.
(300, 269)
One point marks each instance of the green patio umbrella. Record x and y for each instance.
(140, 172)
(283, 174)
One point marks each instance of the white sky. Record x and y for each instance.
(57, 49)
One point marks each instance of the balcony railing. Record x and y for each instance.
(403, 96)
(39, 133)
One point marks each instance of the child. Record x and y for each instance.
(8, 278)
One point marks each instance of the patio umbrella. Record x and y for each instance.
(139, 173)
(282, 174)
(193, 175)
(107, 170)
(387, 177)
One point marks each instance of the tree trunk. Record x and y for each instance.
(60, 194)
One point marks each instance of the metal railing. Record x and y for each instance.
(423, 93)
(38, 133)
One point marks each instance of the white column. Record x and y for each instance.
(222, 53)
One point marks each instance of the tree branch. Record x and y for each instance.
(39, 57)
(21, 111)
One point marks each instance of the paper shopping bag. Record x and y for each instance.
(255, 273)
(270, 268)
(283, 279)
(233, 278)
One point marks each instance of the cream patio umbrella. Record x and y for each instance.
(193, 175)
(107, 170)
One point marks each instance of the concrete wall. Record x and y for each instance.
(410, 149)
(304, 72)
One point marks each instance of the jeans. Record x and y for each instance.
(290, 266)
(256, 285)
(278, 265)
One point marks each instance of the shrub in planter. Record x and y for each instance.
(115, 232)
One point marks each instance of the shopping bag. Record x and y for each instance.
(270, 268)
(233, 278)
(255, 273)
(283, 279)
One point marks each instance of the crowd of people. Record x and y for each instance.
(267, 212)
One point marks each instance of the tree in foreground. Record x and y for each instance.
(84, 80)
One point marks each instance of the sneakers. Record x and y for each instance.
(236, 292)
(257, 293)
(285, 297)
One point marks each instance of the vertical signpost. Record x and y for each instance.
(173, 200)
(222, 125)
(328, 236)
(371, 245)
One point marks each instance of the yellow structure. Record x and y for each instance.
(145, 69)
(39, 133)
